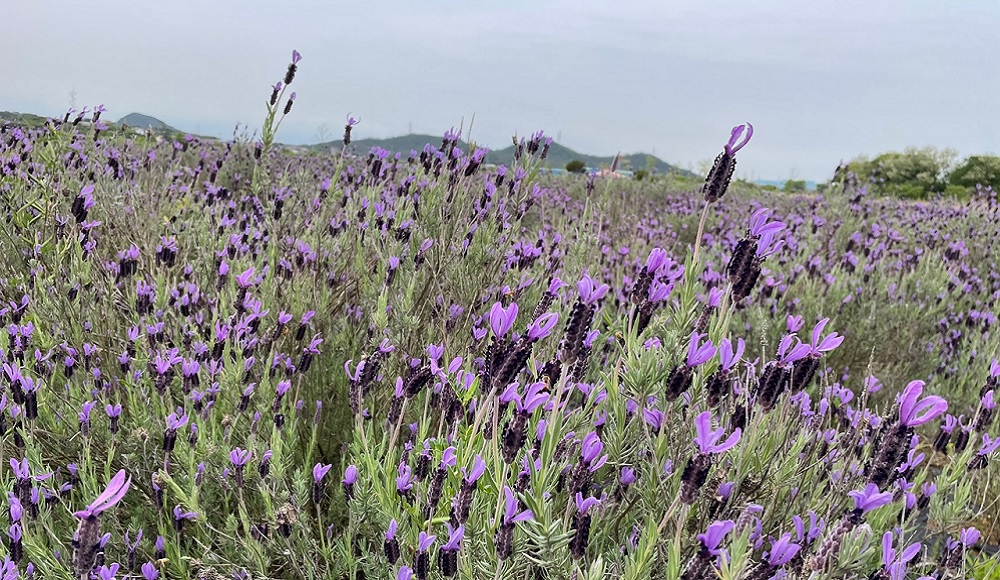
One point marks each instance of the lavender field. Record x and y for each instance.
(234, 360)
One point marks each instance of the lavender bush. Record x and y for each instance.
(232, 360)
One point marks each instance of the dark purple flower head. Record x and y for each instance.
(111, 495)
(782, 551)
(320, 471)
(707, 439)
(914, 411)
(734, 143)
(870, 498)
(510, 514)
(698, 355)
(714, 534)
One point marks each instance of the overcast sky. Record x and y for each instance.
(820, 80)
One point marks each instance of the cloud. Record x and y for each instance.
(821, 81)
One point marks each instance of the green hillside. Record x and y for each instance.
(558, 157)
(141, 121)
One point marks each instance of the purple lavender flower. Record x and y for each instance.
(240, 457)
(590, 452)
(425, 541)
(707, 439)
(914, 411)
(245, 279)
(782, 551)
(454, 538)
(404, 482)
(502, 319)
(181, 516)
(628, 476)
(870, 498)
(826, 343)
(895, 565)
(727, 356)
(713, 536)
(699, 354)
(111, 495)
(511, 515)
(989, 445)
(583, 505)
(319, 472)
(968, 536)
(149, 571)
(590, 291)
(350, 478)
(653, 418)
(718, 178)
(477, 471)
(542, 327)
(107, 572)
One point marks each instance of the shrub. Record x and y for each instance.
(795, 186)
(977, 170)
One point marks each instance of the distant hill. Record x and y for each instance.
(22, 119)
(140, 121)
(558, 156)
